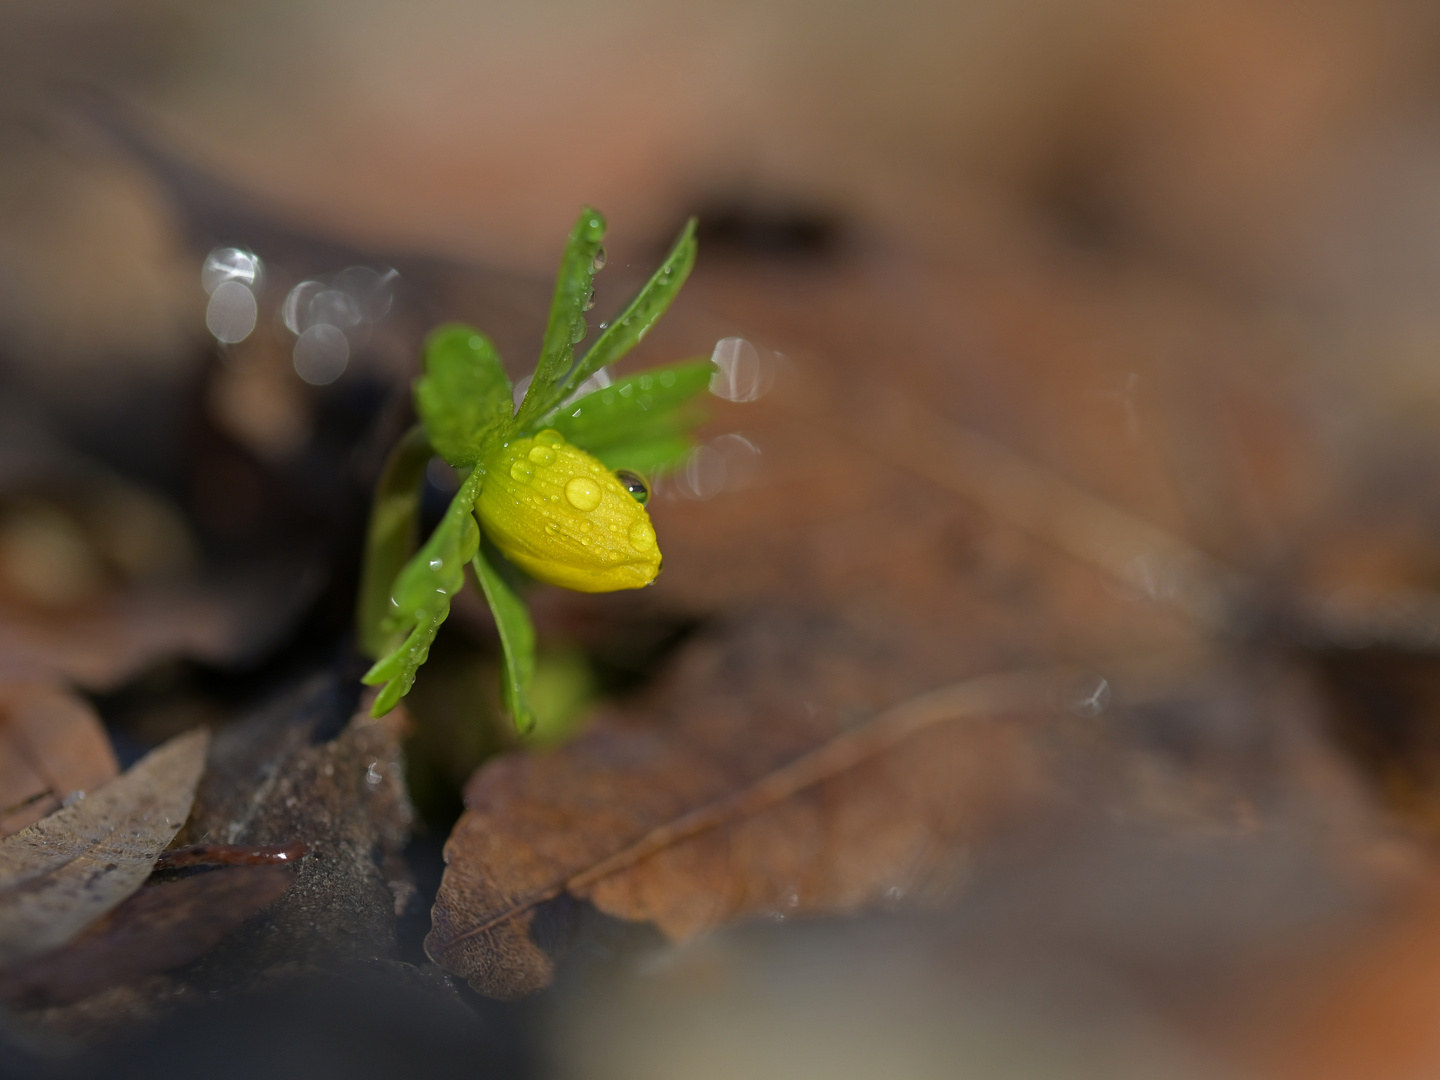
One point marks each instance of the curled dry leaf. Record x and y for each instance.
(51, 744)
(160, 927)
(721, 816)
(65, 871)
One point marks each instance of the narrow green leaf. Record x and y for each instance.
(420, 598)
(390, 539)
(636, 408)
(464, 396)
(517, 632)
(637, 319)
(566, 326)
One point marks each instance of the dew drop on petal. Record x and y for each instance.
(583, 493)
(642, 537)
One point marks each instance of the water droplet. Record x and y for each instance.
(541, 454)
(578, 331)
(703, 475)
(598, 263)
(437, 564)
(590, 299)
(635, 484)
(232, 312)
(741, 374)
(583, 493)
(517, 393)
(550, 437)
(642, 537)
(336, 308)
(321, 354)
(441, 476)
(230, 264)
(523, 470)
(604, 326)
(295, 309)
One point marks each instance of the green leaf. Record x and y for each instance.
(573, 290)
(420, 598)
(391, 538)
(517, 632)
(636, 320)
(637, 408)
(464, 396)
(648, 458)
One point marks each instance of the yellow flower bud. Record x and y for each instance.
(562, 517)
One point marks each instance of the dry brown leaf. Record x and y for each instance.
(68, 869)
(102, 644)
(51, 744)
(725, 814)
(160, 927)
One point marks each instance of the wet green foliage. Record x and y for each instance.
(464, 400)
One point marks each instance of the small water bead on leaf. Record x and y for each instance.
(590, 299)
(522, 470)
(542, 455)
(598, 263)
(635, 484)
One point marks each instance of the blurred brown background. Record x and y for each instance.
(1183, 255)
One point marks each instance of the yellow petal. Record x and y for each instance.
(562, 517)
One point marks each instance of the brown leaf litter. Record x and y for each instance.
(161, 926)
(52, 747)
(65, 871)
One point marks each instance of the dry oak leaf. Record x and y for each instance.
(160, 927)
(51, 745)
(66, 870)
(723, 813)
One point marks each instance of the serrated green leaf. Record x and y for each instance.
(420, 597)
(517, 632)
(636, 320)
(566, 326)
(638, 408)
(390, 539)
(464, 397)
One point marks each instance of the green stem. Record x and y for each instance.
(392, 538)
